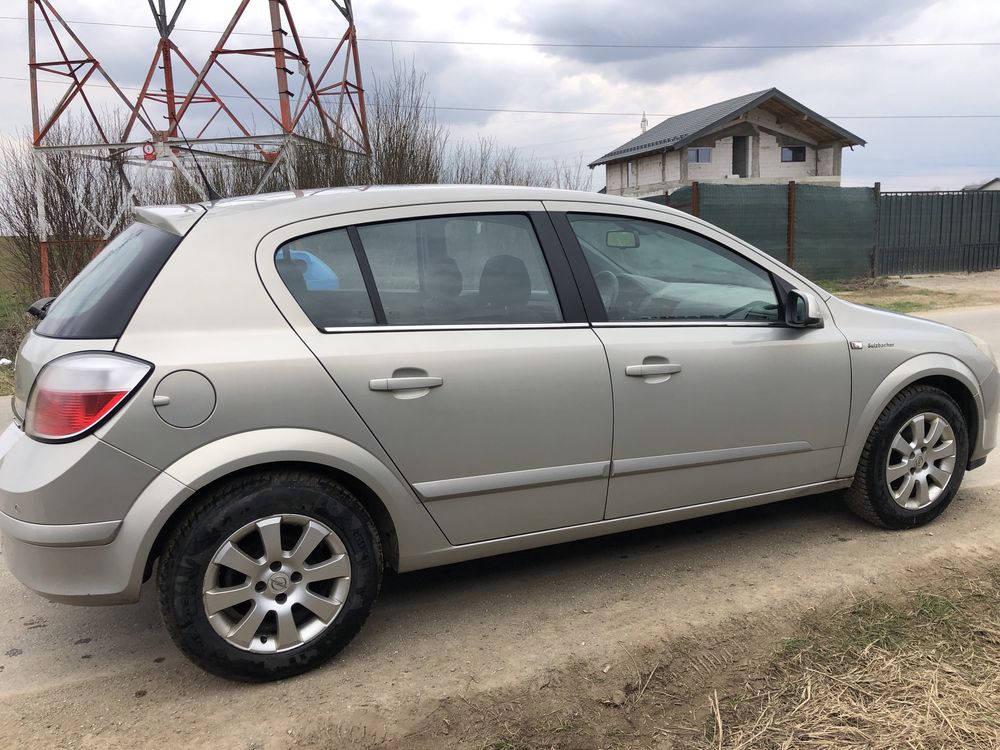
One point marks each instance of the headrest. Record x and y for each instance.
(442, 278)
(505, 282)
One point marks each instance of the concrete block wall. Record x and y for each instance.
(720, 166)
(771, 166)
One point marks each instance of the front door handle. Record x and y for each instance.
(641, 371)
(404, 384)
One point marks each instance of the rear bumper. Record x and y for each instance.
(75, 564)
(76, 518)
(91, 574)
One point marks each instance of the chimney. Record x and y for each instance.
(644, 123)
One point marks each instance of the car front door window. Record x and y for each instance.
(648, 271)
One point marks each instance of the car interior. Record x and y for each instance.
(419, 276)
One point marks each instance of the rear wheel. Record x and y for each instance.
(913, 462)
(270, 576)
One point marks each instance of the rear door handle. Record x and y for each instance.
(641, 371)
(404, 384)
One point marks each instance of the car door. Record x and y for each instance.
(714, 396)
(466, 350)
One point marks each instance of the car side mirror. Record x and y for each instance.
(802, 310)
(40, 307)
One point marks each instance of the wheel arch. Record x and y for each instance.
(941, 371)
(403, 523)
(384, 524)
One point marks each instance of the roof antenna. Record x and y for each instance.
(644, 123)
(209, 190)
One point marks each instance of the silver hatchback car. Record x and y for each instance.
(269, 400)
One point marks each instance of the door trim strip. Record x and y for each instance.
(455, 327)
(515, 480)
(626, 466)
(511, 480)
(473, 550)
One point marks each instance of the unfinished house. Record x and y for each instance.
(761, 138)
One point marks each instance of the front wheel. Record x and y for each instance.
(271, 575)
(913, 462)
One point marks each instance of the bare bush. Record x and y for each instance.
(407, 142)
(485, 162)
(87, 198)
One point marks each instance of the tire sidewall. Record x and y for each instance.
(189, 558)
(923, 401)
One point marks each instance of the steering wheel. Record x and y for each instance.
(750, 307)
(608, 287)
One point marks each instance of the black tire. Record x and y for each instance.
(869, 496)
(224, 510)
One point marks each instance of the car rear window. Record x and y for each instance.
(100, 301)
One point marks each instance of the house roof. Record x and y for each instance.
(679, 130)
(981, 185)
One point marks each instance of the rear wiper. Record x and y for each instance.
(41, 307)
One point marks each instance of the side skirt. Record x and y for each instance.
(461, 553)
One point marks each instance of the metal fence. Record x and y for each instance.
(933, 232)
(832, 232)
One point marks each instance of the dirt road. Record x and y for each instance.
(76, 677)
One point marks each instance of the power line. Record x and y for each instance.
(558, 111)
(561, 45)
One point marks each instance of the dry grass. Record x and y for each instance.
(918, 671)
(880, 676)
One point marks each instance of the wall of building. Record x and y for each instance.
(771, 166)
(717, 169)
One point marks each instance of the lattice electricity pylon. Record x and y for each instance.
(219, 124)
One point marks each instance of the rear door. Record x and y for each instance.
(715, 398)
(457, 333)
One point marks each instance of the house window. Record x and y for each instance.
(793, 153)
(699, 156)
(630, 174)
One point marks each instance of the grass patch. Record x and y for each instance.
(7, 381)
(917, 670)
(889, 294)
(15, 323)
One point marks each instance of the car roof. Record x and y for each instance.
(278, 209)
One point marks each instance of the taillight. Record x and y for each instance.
(73, 394)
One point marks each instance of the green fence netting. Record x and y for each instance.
(842, 233)
(834, 231)
(757, 214)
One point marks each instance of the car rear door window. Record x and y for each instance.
(323, 274)
(646, 271)
(460, 270)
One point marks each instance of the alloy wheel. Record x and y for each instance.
(276, 583)
(921, 461)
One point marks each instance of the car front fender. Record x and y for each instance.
(912, 370)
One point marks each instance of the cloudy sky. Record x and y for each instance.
(550, 62)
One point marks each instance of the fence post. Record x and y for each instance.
(43, 258)
(695, 200)
(876, 249)
(791, 224)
